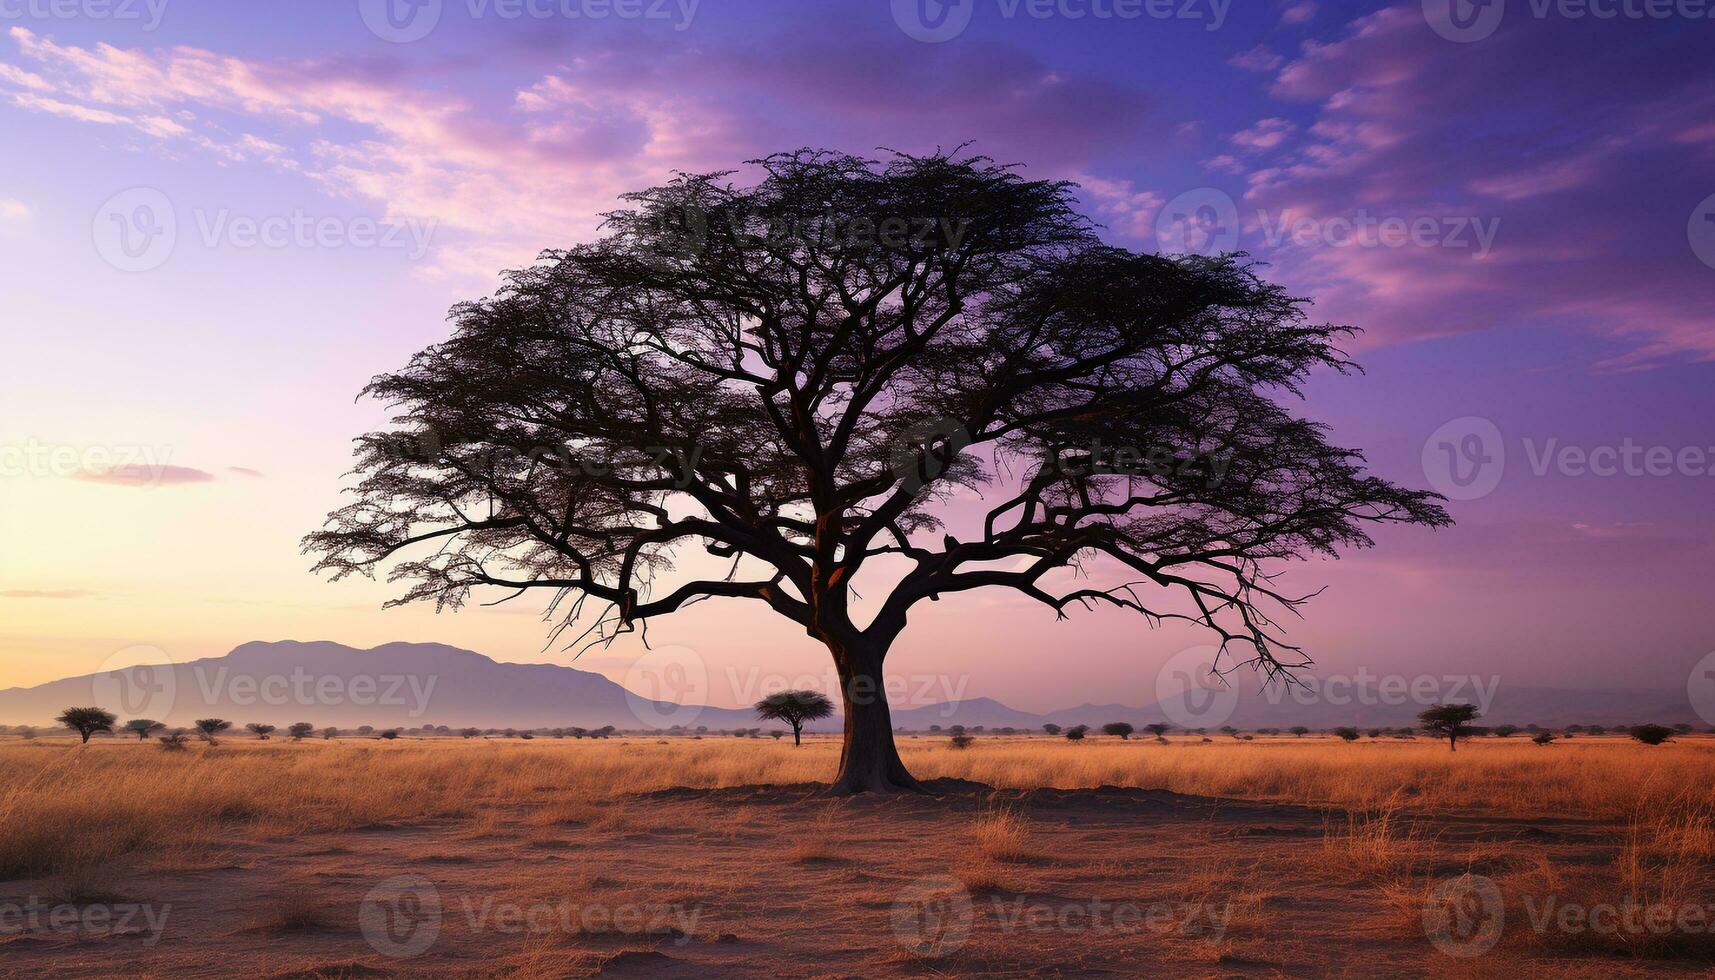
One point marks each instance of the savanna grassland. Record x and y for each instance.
(723, 857)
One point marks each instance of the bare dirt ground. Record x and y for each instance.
(780, 881)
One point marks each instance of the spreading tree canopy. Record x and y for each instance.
(797, 373)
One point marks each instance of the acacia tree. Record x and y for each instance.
(793, 376)
(208, 728)
(1449, 721)
(87, 721)
(795, 708)
(143, 728)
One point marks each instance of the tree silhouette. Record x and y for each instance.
(772, 389)
(795, 708)
(1076, 733)
(300, 730)
(1650, 734)
(260, 730)
(1449, 721)
(1119, 729)
(208, 728)
(142, 727)
(1051, 728)
(1158, 729)
(1346, 733)
(87, 721)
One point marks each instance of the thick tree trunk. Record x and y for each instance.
(869, 761)
(797, 733)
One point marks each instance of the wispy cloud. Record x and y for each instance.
(144, 475)
(45, 594)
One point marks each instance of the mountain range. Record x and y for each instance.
(418, 684)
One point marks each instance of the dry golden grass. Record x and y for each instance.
(68, 807)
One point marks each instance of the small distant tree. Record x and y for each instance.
(474, 732)
(143, 727)
(1299, 730)
(390, 734)
(1596, 729)
(1120, 729)
(1229, 730)
(1683, 728)
(777, 734)
(1504, 731)
(300, 730)
(329, 732)
(208, 728)
(1651, 734)
(1348, 734)
(962, 741)
(957, 729)
(1051, 728)
(1542, 738)
(260, 730)
(1374, 733)
(795, 708)
(1158, 729)
(87, 721)
(174, 743)
(1449, 721)
(1268, 731)
(366, 729)
(1076, 733)
(27, 733)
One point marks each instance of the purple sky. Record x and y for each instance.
(1518, 217)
